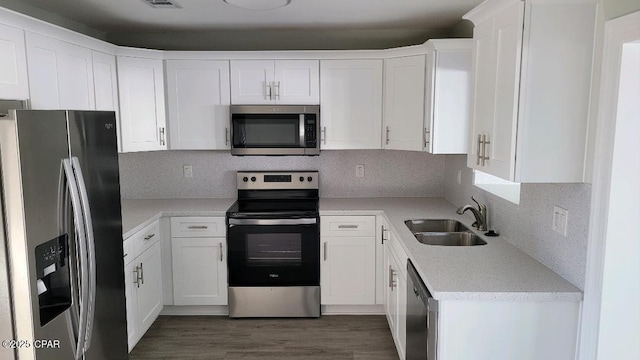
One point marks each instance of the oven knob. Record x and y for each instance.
(253, 178)
(301, 178)
(309, 178)
(245, 179)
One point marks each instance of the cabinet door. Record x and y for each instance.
(251, 81)
(297, 82)
(401, 296)
(198, 95)
(105, 81)
(142, 116)
(131, 287)
(351, 103)
(391, 290)
(150, 291)
(448, 102)
(507, 39)
(348, 270)
(484, 91)
(60, 74)
(404, 103)
(13, 64)
(199, 271)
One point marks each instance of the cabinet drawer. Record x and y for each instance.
(348, 226)
(197, 226)
(146, 237)
(128, 250)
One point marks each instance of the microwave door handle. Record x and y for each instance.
(302, 134)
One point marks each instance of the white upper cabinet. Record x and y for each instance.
(13, 64)
(447, 96)
(532, 86)
(351, 103)
(404, 103)
(105, 81)
(294, 82)
(60, 74)
(142, 114)
(198, 97)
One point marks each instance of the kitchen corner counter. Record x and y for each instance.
(136, 214)
(497, 271)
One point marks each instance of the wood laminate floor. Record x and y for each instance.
(221, 338)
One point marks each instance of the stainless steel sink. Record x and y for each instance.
(430, 225)
(449, 238)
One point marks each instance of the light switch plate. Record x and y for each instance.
(560, 220)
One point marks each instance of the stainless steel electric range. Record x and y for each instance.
(273, 241)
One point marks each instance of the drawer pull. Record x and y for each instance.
(149, 237)
(195, 227)
(347, 226)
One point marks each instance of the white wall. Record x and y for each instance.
(528, 226)
(387, 173)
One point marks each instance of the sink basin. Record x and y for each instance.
(430, 225)
(449, 238)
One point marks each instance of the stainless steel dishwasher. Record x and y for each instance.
(422, 319)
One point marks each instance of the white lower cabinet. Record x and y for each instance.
(348, 260)
(199, 261)
(143, 281)
(395, 293)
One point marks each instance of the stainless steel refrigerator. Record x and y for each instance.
(61, 265)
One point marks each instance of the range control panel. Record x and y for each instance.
(277, 180)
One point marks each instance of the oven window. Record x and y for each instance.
(274, 249)
(268, 130)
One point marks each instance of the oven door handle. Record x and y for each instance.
(304, 221)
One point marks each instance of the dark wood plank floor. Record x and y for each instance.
(221, 338)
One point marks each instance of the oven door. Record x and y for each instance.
(273, 252)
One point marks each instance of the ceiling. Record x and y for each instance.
(119, 19)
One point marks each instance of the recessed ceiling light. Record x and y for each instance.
(259, 5)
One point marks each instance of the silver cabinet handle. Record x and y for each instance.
(325, 251)
(162, 141)
(267, 86)
(484, 149)
(220, 248)
(427, 138)
(141, 274)
(347, 226)
(136, 277)
(226, 136)
(195, 227)
(392, 274)
(149, 237)
(479, 145)
(277, 96)
(382, 234)
(323, 135)
(387, 142)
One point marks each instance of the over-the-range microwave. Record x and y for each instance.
(275, 129)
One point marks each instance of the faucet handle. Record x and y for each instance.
(476, 201)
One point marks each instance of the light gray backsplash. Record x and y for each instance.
(528, 225)
(159, 175)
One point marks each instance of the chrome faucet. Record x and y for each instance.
(480, 214)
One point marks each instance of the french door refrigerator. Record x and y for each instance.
(61, 262)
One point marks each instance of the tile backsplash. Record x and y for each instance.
(528, 225)
(159, 175)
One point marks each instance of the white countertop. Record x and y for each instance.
(497, 271)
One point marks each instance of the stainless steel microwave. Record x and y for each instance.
(275, 129)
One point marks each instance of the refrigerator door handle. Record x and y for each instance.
(82, 256)
(91, 252)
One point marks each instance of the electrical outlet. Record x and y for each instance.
(360, 171)
(459, 177)
(560, 220)
(188, 171)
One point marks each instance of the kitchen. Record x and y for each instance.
(386, 174)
